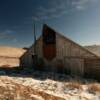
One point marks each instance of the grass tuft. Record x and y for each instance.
(93, 88)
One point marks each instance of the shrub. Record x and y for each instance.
(75, 84)
(93, 88)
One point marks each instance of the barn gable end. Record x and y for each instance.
(73, 49)
(70, 57)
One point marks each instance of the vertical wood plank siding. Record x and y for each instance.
(69, 55)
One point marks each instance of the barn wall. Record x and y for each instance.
(26, 59)
(65, 47)
(74, 66)
(39, 45)
(70, 57)
(68, 52)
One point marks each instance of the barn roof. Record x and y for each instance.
(45, 25)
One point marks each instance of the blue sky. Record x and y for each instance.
(77, 19)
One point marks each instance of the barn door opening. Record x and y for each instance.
(34, 61)
(92, 68)
(60, 66)
(38, 63)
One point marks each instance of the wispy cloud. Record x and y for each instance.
(8, 35)
(56, 8)
(82, 4)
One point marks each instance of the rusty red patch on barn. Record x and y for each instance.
(49, 43)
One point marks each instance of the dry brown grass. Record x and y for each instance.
(9, 90)
(11, 51)
(9, 56)
(74, 84)
(94, 87)
(8, 62)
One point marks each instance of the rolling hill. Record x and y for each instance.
(9, 56)
(94, 48)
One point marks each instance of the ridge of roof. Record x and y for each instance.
(72, 41)
(77, 44)
(65, 37)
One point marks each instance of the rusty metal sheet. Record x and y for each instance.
(49, 43)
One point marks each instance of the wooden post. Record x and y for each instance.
(34, 40)
(35, 54)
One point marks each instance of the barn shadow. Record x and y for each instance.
(41, 75)
(29, 72)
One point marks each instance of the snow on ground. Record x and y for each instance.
(59, 85)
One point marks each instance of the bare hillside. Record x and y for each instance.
(9, 56)
(94, 48)
(11, 51)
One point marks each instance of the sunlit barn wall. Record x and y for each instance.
(70, 56)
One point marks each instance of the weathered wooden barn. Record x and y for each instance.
(55, 52)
